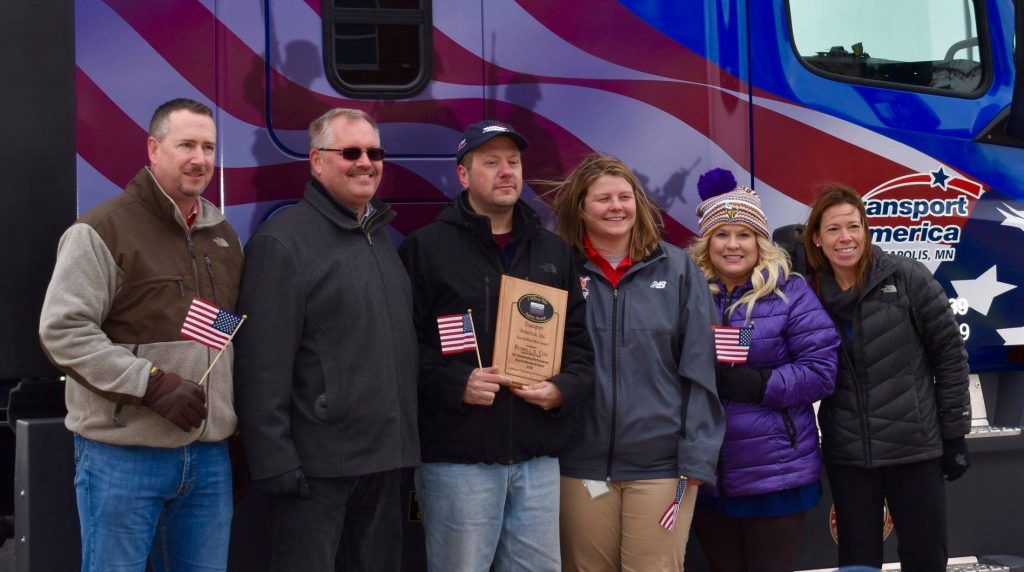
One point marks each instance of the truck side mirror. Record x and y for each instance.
(1015, 123)
(791, 239)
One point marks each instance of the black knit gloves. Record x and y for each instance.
(955, 458)
(741, 383)
(180, 401)
(291, 483)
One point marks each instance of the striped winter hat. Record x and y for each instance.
(738, 206)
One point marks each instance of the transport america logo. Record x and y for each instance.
(965, 233)
(922, 215)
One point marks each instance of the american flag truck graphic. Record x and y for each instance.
(915, 104)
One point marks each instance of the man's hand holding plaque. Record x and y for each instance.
(545, 395)
(483, 383)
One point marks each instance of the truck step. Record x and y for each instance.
(961, 564)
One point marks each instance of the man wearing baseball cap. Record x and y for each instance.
(488, 488)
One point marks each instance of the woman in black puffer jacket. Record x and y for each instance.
(897, 420)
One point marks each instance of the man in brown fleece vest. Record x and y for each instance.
(153, 479)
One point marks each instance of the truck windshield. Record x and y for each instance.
(931, 44)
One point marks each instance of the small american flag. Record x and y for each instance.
(732, 343)
(209, 325)
(456, 332)
(668, 520)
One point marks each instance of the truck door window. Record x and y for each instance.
(377, 48)
(921, 45)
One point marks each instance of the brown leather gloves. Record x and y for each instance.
(180, 401)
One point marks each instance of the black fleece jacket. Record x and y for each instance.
(325, 366)
(902, 383)
(454, 264)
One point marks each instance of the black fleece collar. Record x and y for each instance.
(525, 220)
(317, 195)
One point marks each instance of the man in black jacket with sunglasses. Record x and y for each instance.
(326, 366)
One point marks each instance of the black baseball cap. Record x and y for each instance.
(479, 133)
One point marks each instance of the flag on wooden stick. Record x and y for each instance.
(456, 331)
(209, 325)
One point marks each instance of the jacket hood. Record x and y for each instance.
(460, 213)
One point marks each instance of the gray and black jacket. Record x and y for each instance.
(655, 412)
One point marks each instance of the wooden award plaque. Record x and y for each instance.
(530, 330)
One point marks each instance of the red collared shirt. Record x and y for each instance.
(612, 274)
(193, 214)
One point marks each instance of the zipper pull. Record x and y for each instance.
(209, 274)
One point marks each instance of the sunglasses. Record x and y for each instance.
(354, 153)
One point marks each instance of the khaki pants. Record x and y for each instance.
(619, 530)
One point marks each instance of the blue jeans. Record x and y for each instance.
(474, 515)
(172, 505)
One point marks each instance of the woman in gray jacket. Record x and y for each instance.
(651, 432)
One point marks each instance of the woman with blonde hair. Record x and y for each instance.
(650, 434)
(777, 356)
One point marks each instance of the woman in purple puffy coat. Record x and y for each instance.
(769, 465)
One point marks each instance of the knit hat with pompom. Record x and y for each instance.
(726, 203)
